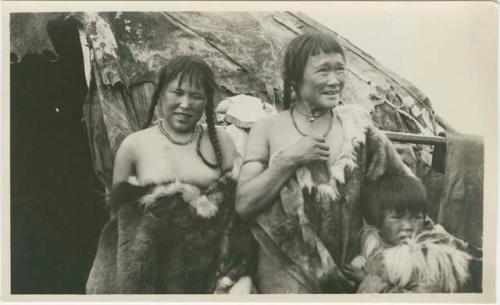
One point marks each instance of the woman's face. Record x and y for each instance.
(182, 106)
(396, 228)
(323, 80)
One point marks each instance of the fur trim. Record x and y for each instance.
(206, 206)
(242, 286)
(326, 192)
(133, 180)
(355, 121)
(304, 179)
(429, 258)
(433, 263)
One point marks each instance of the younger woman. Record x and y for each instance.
(174, 228)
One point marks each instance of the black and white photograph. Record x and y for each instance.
(335, 149)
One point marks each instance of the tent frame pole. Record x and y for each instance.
(403, 137)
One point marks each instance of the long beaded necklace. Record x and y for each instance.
(304, 134)
(174, 141)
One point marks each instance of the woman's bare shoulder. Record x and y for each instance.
(138, 138)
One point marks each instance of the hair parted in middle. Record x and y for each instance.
(197, 72)
(296, 56)
(400, 193)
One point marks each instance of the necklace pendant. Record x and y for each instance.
(312, 119)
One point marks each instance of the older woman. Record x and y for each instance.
(303, 172)
(173, 228)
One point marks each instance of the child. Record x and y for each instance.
(402, 250)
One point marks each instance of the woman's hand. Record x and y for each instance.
(305, 151)
(258, 184)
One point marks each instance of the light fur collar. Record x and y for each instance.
(430, 257)
(206, 205)
(354, 121)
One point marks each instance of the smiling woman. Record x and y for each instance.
(185, 91)
(173, 199)
(302, 175)
(322, 81)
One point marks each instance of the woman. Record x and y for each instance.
(303, 171)
(173, 228)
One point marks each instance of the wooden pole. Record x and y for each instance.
(403, 137)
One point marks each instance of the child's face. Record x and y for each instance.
(396, 228)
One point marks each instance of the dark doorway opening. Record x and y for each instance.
(57, 203)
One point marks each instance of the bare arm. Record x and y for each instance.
(229, 152)
(124, 165)
(258, 186)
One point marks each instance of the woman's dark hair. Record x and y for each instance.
(198, 73)
(296, 55)
(400, 193)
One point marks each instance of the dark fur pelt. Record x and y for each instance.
(171, 238)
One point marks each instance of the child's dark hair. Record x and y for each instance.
(401, 193)
(197, 72)
(296, 55)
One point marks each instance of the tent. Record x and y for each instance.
(106, 64)
(123, 51)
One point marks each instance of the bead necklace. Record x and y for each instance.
(174, 141)
(301, 132)
(310, 118)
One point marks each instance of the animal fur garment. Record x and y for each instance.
(428, 262)
(172, 238)
(312, 228)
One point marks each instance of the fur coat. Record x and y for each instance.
(172, 238)
(312, 227)
(431, 261)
